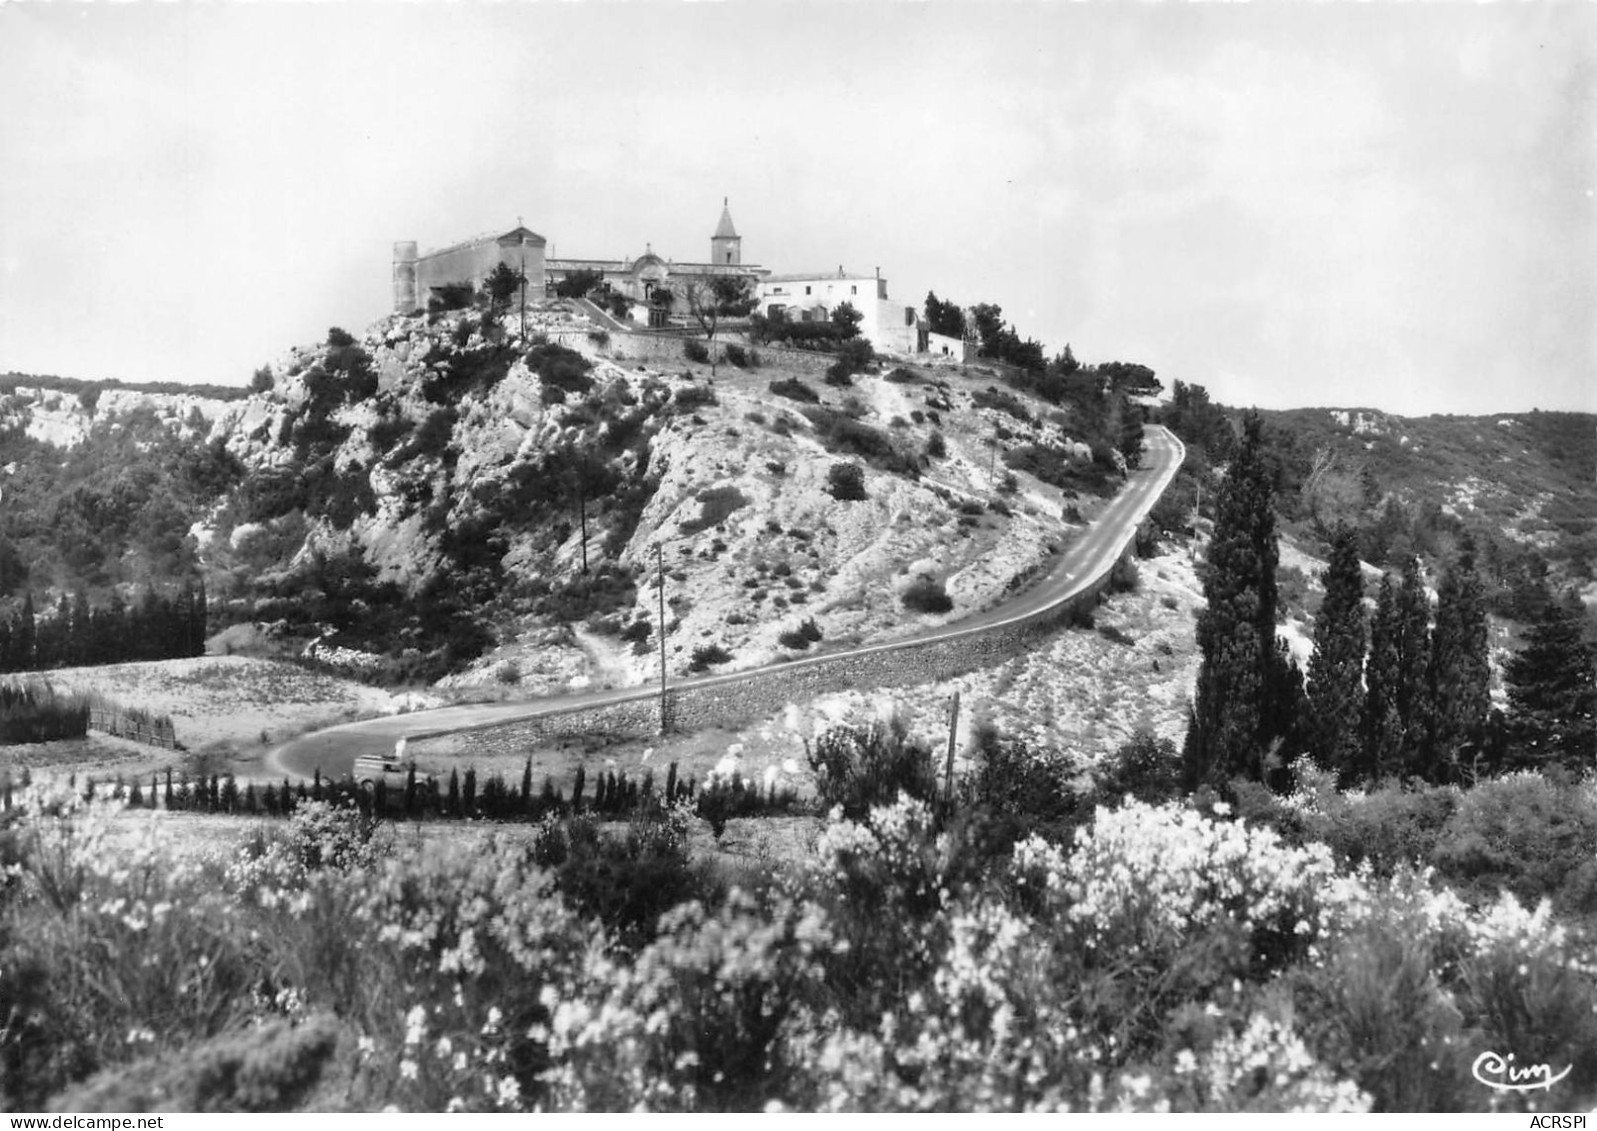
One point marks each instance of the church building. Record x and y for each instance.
(523, 250)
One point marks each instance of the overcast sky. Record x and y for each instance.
(1372, 205)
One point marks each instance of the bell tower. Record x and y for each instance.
(726, 246)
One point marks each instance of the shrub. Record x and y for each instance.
(1003, 402)
(936, 446)
(795, 390)
(451, 296)
(695, 350)
(846, 482)
(715, 504)
(927, 595)
(846, 436)
(561, 368)
(578, 283)
(261, 382)
(693, 397)
(901, 376)
(801, 637)
(861, 768)
(1145, 767)
(1522, 834)
(742, 358)
(270, 1069)
(706, 654)
(1391, 827)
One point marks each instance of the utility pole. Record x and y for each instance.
(659, 558)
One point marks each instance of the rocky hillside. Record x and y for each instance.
(443, 498)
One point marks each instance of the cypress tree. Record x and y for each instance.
(1383, 728)
(316, 784)
(1414, 662)
(380, 797)
(229, 795)
(410, 792)
(468, 792)
(576, 789)
(600, 794)
(1552, 690)
(169, 796)
(671, 784)
(26, 631)
(1460, 675)
(1336, 666)
(1235, 720)
(452, 801)
(252, 801)
(81, 631)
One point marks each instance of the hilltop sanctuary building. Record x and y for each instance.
(415, 276)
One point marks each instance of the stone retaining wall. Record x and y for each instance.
(740, 699)
(665, 351)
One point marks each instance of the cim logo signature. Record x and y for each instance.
(1501, 1074)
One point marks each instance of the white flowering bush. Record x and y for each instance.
(1143, 880)
(1162, 960)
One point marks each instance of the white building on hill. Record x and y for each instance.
(890, 327)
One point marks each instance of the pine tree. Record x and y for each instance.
(1552, 690)
(1235, 719)
(1414, 662)
(1336, 666)
(1383, 727)
(1460, 675)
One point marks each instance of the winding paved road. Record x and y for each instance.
(1094, 553)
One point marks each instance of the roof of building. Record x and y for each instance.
(486, 237)
(623, 265)
(724, 230)
(819, 277)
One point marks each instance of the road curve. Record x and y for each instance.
(1093, 554)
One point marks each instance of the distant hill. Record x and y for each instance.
(1523, 486)
(12, 381)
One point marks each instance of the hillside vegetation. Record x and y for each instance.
(441, 497)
